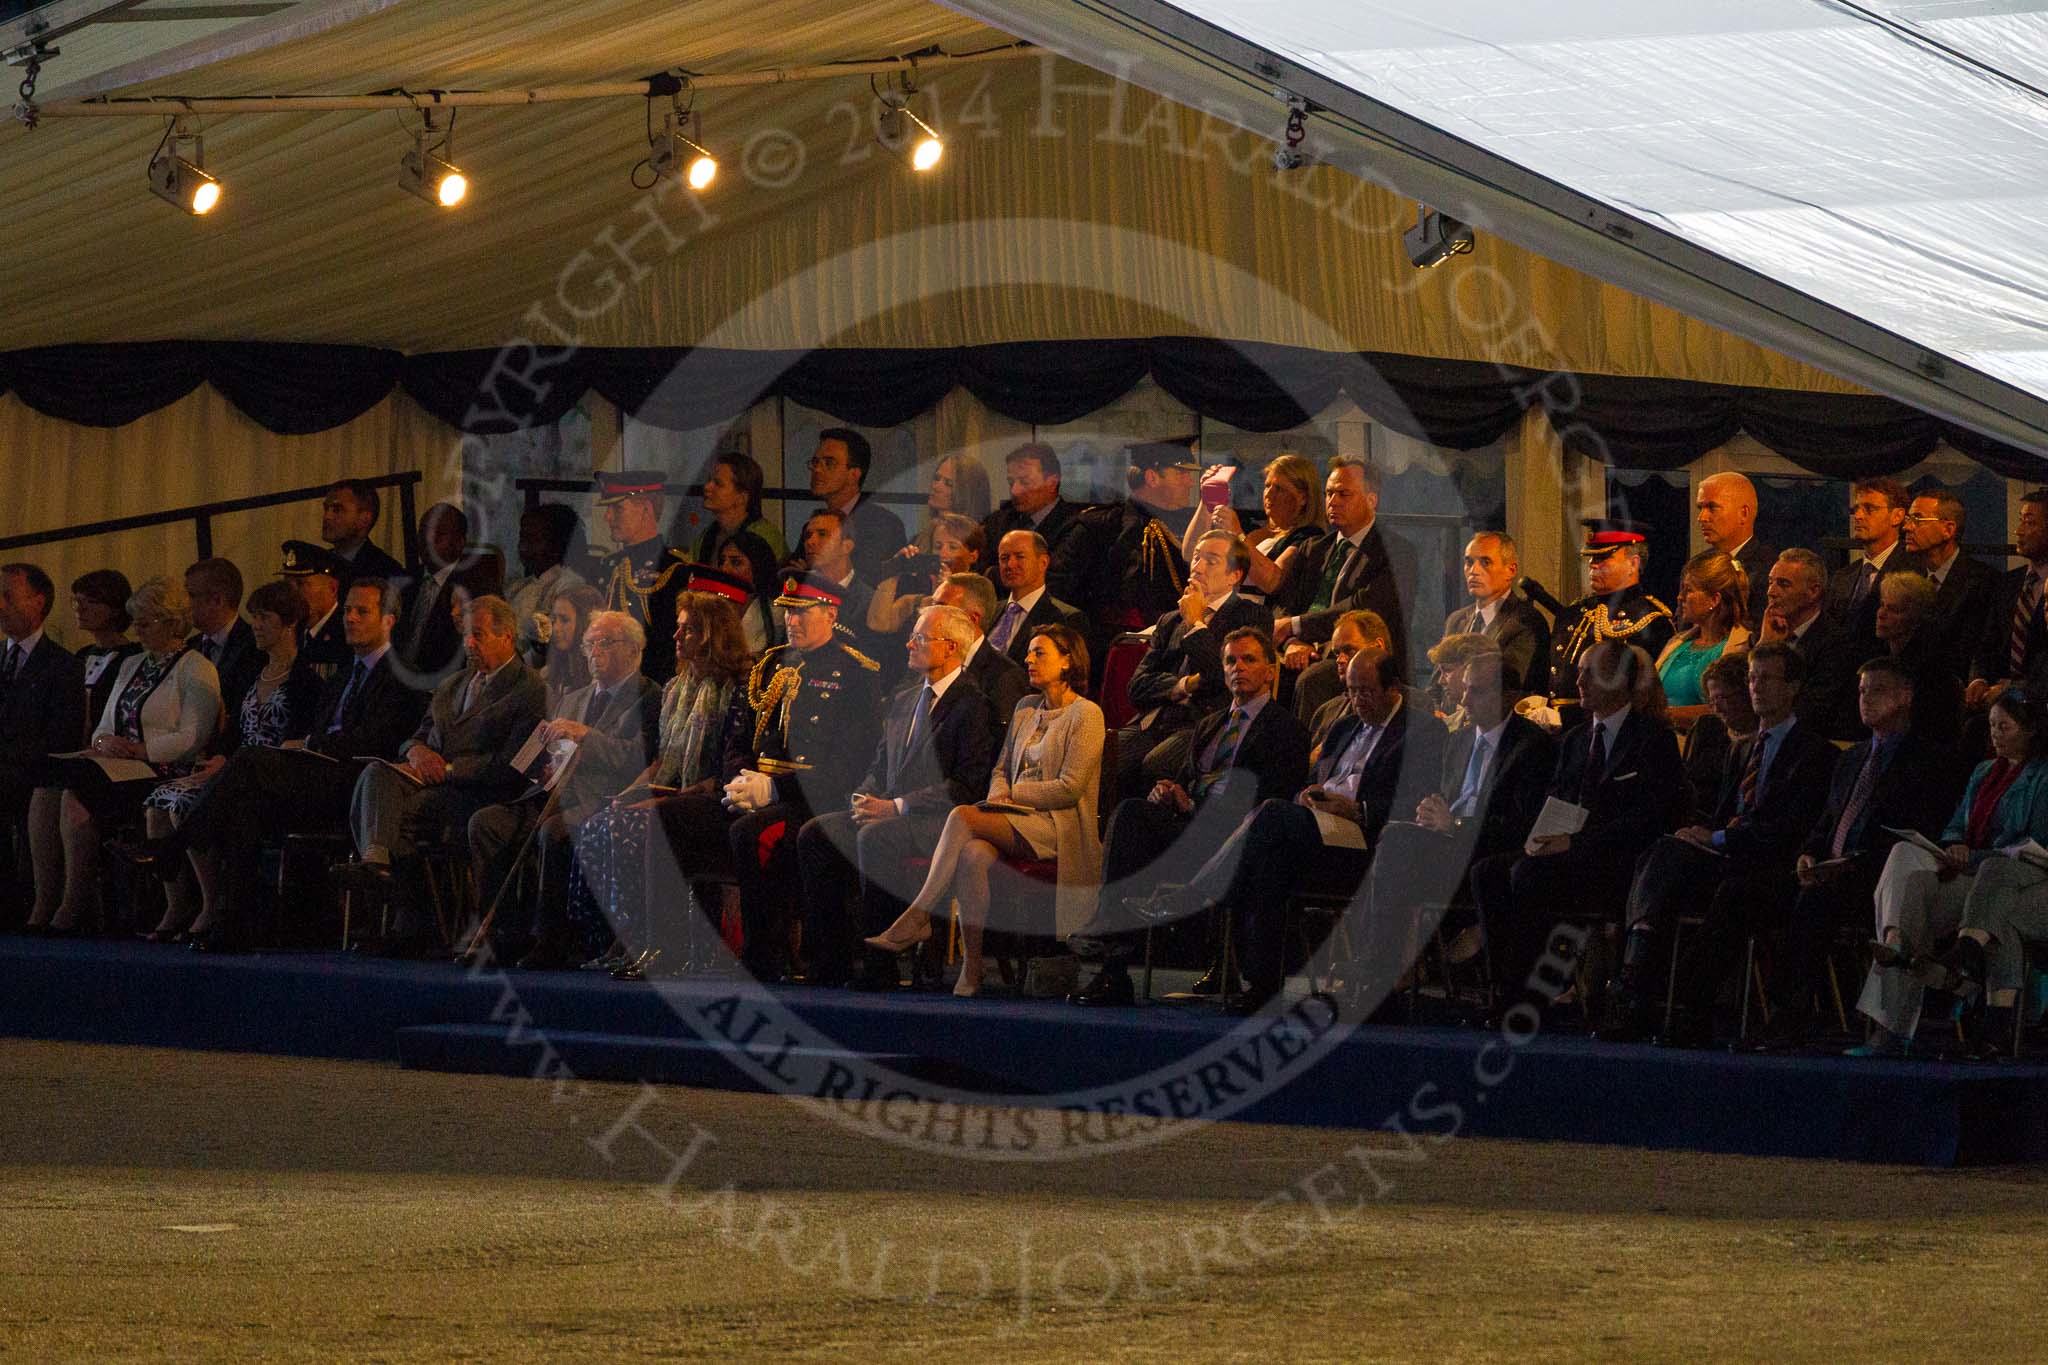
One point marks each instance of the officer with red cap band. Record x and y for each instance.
(643, 575)
(1617, 608)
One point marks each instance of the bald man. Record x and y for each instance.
(1726, 505)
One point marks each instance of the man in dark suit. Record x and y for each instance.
(614, 722)
(1793, 614)
(1352, 565)
(1496, 772)
(2014, 645)
(1180, 678)
(1893, 780)
(1964, 587)
(348, 514)
(1620, 765)
(1726, 507)
(994, 674)
(320, 579)
(1380, 759)
(1248, 751)
(42, 707)
(1877, 523)
(1503, 615)
(935, 753)
(262, 795)
(840, 467)
(428, 641)
(456, 763)
(1122, 561)
(1770, 787)
(1022, 561)
(1035, 505)
(214, 587)
(826, 548)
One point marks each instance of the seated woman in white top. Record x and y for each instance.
(163, 712)
(1041, 804)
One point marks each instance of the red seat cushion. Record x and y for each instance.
(1117, 668)
(1037, 869)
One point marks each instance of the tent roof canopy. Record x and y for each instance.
(1864, 185)
(1069, 206)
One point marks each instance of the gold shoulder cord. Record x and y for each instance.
(1155, 543)
(1595, 626)
(622, 589)
(780, 691)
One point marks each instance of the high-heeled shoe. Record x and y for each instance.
(898, 938)
(969, 982)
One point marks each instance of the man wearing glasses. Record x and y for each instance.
(839, 473)
(600, 738)
(1963, 585)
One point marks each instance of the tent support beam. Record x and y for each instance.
(160, 106)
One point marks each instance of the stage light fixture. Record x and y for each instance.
(427, 171)
(1435, 238)
(672, 150)
(890, 130)
(1289, 156)
(177, 172)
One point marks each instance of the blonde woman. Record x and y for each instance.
(162, 713)
(1713, 618)
(1293, 500)
(1041, 804)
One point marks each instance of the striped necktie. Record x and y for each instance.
(1226, 750)
(2023, 608)
(1752, 777)
(1859, 797)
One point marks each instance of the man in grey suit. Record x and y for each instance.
(1497, 611)
(458, 762)
(935, 753)
(613, 722)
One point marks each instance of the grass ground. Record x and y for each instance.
(196, 1205)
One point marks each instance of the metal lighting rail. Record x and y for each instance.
(1206, 66)
(157, 106)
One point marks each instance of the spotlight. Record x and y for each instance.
(179, 179)
(926, 150)
(668, 150)
(1435, 238)
(1289, 156)
(426, 170)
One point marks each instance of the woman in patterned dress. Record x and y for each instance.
(163, 712)
(277, 710)
(704, 712)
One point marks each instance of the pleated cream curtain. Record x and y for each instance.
(199, 449)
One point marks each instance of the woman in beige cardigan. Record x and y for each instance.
(1041, 804)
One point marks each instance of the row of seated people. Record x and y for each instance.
(1200, 610)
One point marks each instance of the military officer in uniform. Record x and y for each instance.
(1123, 561)
(318, 573)
(642, 576)
(1617, 608)
(816, 702)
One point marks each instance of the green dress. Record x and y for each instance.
(1682, 668)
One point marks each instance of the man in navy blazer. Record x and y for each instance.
(42, 704)
(1496, 772)
(221, 635)
(1023, 558)
(935, 753)
(1351, 566)
(1249, 751)
(1621, 765)
(1770, 786)
(994, 674)
(1382, 758)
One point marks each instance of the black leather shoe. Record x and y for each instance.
(357, 875)
(1214, 982)
(1111, 986)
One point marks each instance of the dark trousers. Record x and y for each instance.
(1817, 914)
(1279, 849)
(1749, 901)
(498, 836)
(1139, 831)
(1417, 877)
(836, 857)
(766, 872)
(1522, 900)
(261, 796)
(17, 891)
